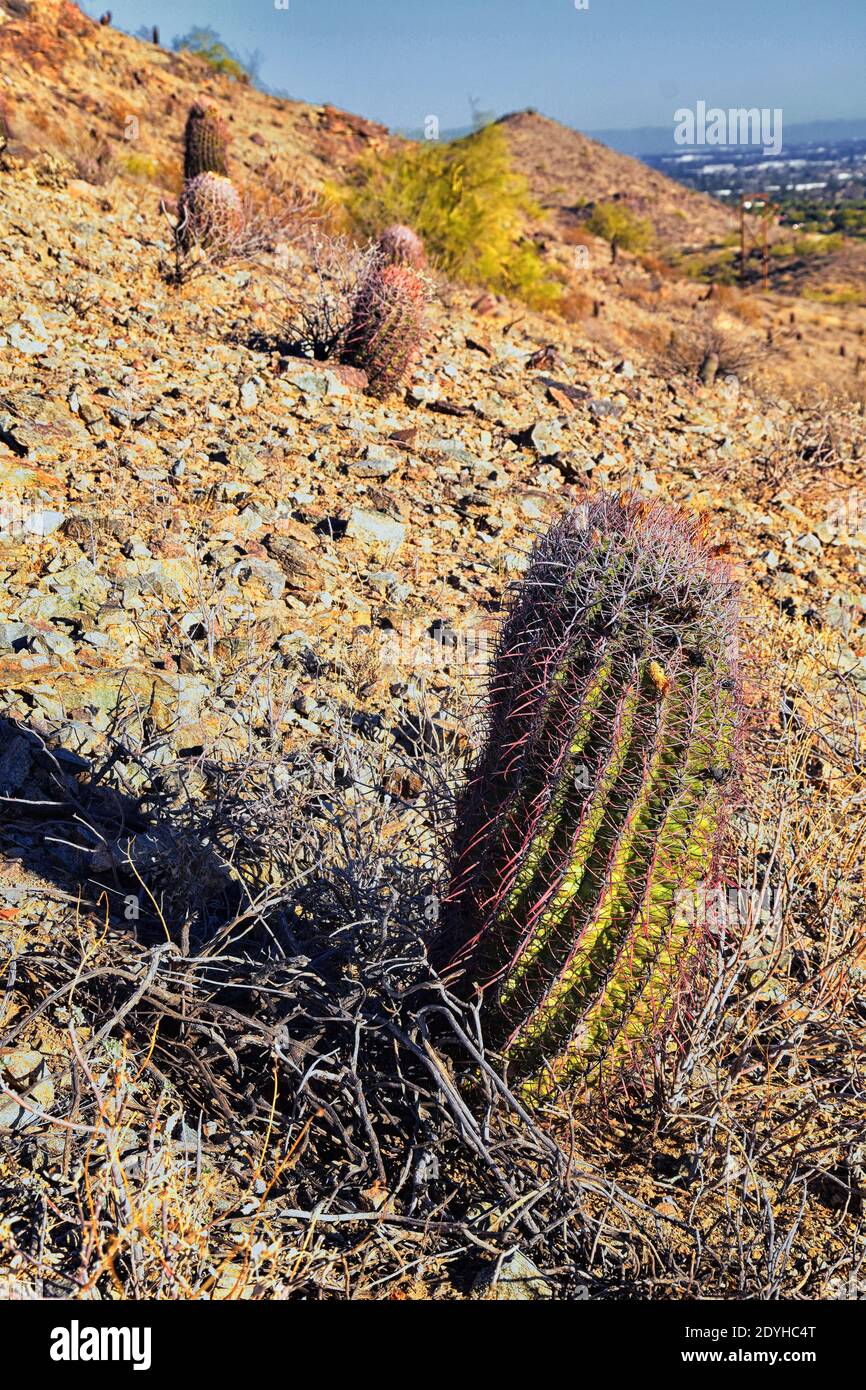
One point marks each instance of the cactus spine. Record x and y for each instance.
(386, 327)
(205, 143)
(592, 818)
(210, 213)
(399, 245)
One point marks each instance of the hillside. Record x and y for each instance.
(244, 612)
(70, 84)
(567, 169)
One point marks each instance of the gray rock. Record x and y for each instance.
(546, 437)
(376, 463)
(43, 523)
(375, 527)
(810, 543)
(15, 762)
(24, 1070)
(514, 1277)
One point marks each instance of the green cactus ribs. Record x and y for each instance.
(205, 142)
(593, 817)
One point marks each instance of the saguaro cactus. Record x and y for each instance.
(205, 142)
(387, 326)
(592, 818)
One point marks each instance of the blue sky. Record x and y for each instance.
(619, 64)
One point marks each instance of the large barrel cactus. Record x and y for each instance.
(591, 824)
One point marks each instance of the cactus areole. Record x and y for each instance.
(590, 827)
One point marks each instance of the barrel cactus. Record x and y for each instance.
(205, 142)
(386, 326)
(399, 245)
(593, 819)
(210, 213)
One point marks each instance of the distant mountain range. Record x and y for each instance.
(648, 140)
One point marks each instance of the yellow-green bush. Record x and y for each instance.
(615, 223)
(206, 43)
(468, 205)
(142, 166)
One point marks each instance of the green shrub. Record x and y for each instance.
(468, 205)
(207, 44)
(141, 166)
(615, 223)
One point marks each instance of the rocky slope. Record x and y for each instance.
(213, 552)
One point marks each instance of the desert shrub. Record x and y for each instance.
(835, 294)
(576, 235)
(468, 205)
(94, 160)
(141, 166)
(706, 350)
(659, 266)
(616, 224)
(574, 306)
(316, 317)
(206, 43)
(218, 225)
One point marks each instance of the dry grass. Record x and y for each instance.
(261, 1091)
(707, 347)
(272, 219)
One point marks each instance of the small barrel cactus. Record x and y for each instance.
(210, 213)
(593, 817)
(205, 142)
(386, 327)
(399, 245)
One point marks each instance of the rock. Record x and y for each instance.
(546, 437)
(377, 528)
(16, 759)
(376, 463)
(649, 481)
(810, 543)
(299, 565)
(625, 368)
(249, 396)
(513, 1278)
(24, 1070)
(43, 523)
(33, 343)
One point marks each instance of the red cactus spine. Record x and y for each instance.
(210, 213)
(594, 814)
(387, 326)
(399, 245)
